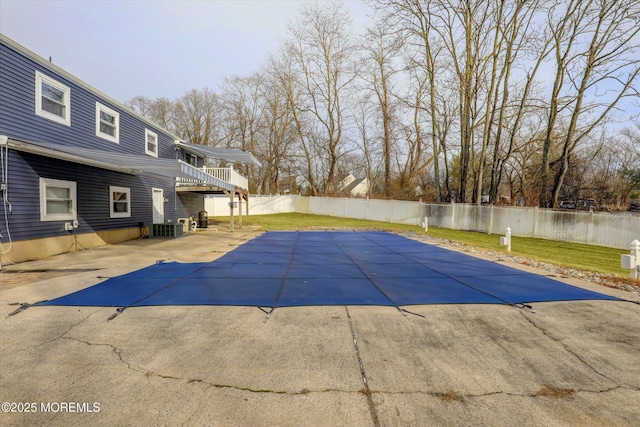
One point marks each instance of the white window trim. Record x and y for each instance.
(148, 133)
(113, 214)
(40, 78)
(116, 115)
(48, 182)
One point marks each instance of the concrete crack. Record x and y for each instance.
(366, 391)
(568, 350)
(62, 335)
(252, 390)
(452, 395)
(117, 351)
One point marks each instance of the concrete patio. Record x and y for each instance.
(556, 364)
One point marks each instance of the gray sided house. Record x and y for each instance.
(80, 169)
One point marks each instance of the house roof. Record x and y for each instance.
(353, 184)
(119, 162)
(70, 77)
(215, 152)
(231, 155)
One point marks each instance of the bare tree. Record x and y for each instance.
(611, 59)
(422, 47)
(140, 104)
(381, 53)
(629, 162)
(513, 36)
(472, 18)
(412, 159)
(458, 30)
(241, 99)
(595, 46)
(278, 132)
(322, 51)
(285, 74)
(363, 112)
(198, 116)
(242, 102)
(159, 110)
(611, 166)
(448, 93)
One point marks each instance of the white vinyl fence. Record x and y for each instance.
(258, 205)
(615, 230)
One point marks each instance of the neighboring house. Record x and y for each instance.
(81, 169)
(355, 187)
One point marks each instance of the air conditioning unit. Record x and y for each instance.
(164, 230)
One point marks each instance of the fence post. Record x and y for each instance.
(506, 240)
(590, 227)
(391, 215)
(632, 261)
(635, 251)
(491, 219)
(535, 221)
(366, 208)
(453, 215)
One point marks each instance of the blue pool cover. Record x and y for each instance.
(286, 269)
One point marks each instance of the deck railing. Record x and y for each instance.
(228, 175)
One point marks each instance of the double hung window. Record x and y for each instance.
(107, 123)
(120, 202)
(57, 200)
(53, 99)
(151, 143)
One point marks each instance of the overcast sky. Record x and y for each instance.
(151, 47)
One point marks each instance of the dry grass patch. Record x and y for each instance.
(451, 396)
(554, 392)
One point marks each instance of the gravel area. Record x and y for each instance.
(611, 281)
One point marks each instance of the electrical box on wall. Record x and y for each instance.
(627, 261)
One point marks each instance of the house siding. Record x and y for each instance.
(19, 121)
(92, 197)
(18, 118)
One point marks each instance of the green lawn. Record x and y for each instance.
(574, 255)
